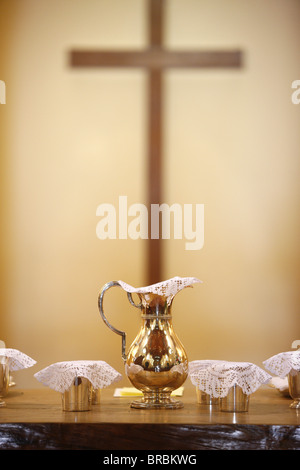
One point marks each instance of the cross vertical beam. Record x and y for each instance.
(155, 143)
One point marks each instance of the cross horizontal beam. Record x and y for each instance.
(156, 58)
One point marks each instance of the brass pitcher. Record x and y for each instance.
(156, 362)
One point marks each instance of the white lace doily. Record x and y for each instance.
(281, 384)
(218, 378)
(60, 376)
(16, 359)
(166, 288)
(194, 366)
(282, 363)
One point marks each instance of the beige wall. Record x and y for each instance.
(239, 133)
(71, 140)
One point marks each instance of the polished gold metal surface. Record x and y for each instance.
(236, 400)
(4, 380)
(79, 396)
(96, 396)
(294, 387)
(206, 399)
(156, 363)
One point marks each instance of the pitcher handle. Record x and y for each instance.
(115, 330)
(129, 295)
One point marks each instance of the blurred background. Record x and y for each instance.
(71, 140)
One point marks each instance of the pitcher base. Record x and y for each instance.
(157, 400)
(295, 404)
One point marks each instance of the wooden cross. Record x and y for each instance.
(155, 59)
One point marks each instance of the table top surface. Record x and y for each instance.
(266, 407)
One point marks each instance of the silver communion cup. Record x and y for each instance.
(294, 387)
(236, 400)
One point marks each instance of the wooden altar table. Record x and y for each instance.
(34, 420)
